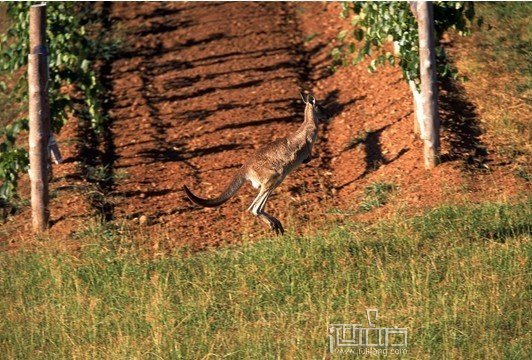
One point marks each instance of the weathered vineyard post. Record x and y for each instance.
(39, 118)
(430, 127)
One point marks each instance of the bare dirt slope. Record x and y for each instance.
(200, 86)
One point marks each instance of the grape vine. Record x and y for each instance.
(375, 23)
(73, 53)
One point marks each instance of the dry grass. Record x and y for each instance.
(496, 60)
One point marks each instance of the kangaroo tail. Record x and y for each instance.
(231, 190)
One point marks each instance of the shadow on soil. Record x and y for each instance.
(460, 126)
(178, 87)
(374, 157)
(96, 150)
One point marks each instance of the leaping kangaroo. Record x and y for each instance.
(268, 167)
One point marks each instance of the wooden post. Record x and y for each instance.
(418, 107)
(430, 129)
(39, 114)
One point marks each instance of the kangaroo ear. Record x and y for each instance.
(311, 99)
(302, 97)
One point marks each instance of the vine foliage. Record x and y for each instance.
(72, 54)
(375, 23)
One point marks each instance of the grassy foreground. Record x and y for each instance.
(457, 277)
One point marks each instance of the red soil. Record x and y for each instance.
(200, 86)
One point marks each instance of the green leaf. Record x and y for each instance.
(336, 53)
(342, 34)
(85, 65)
(358, 34)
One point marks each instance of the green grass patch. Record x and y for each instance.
(458, 277)
(376, 195)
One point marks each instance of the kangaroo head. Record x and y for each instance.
(313, 108)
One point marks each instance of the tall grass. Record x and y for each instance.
(457, 277)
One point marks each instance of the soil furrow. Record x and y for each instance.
(194, 100)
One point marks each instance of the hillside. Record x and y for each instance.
(197, 88)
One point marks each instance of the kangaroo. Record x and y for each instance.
(268, 167)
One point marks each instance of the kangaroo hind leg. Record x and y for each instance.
(275, 224)
(257, 209)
